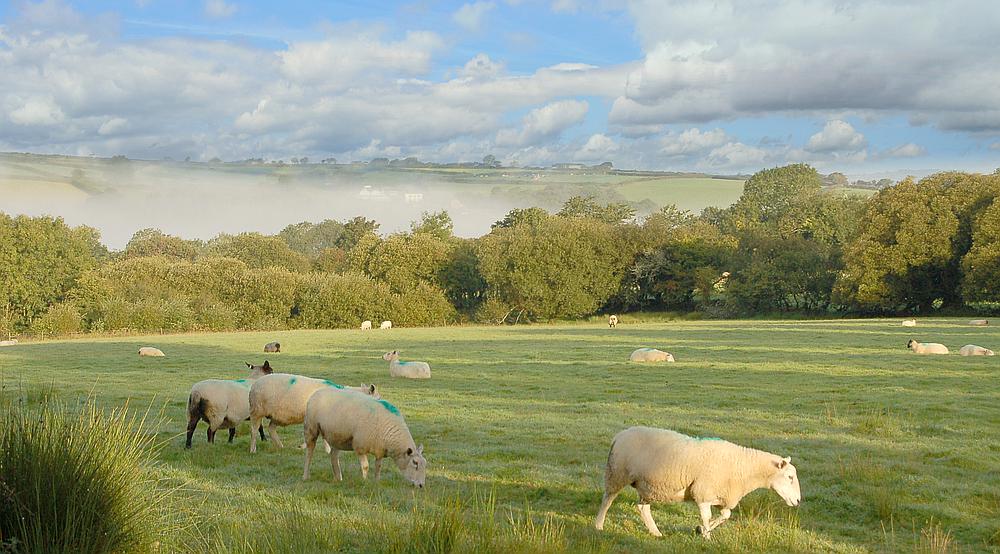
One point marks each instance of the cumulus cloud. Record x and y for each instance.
(836, 136)
(220, 9)
(908, 150)
(470, 16)
(39, 110)
(481, 67)
(544, 123)
(598, 147)
(692, 142)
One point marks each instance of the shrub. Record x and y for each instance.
(424, 305)
(79, 481)
(60, 319)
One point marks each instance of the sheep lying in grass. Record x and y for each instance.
(665, 466)
(410, 370)
(282, 398)
(385, 325)
(272, 347)
(348, 420)
(909, 323)
(223, 403)
(366, 325)
(612, 321)
(927, 347)
(979, 322)
(10, 342)
(973, 350)
(150, 351)
(650, 355)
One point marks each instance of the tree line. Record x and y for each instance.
(787, 245)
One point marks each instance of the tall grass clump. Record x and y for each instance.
(78, 481)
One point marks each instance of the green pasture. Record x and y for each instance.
(895, 452)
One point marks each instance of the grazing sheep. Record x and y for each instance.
(150, 351)
(612, 321)
(385, 325)
(223, 403)
(909, 323)
(973, 350)
(282, 397)
(979, 322)
(410, 370)
(272, 347)
(650, 355)
(366, 325)
(927, 348)
(665, 466)
(10, 342)
(348, 420)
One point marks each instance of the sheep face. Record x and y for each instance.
(371, 391)
(785, 482)
(257, 371)
(909, 343)
(415, 468)
(391, 356)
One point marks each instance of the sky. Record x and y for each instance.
(868, 88)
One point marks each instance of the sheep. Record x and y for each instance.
(348, 420)
(612, 321)
(385, 325)
(973, 350)
(272, 347)
(10, 342)
(909, 323)
(927, 348)
(410, 370)
(979, 322)
(282, 397)
(150, 351)
(666, 466)
(366, 325)
(223, 403)
(650, 355)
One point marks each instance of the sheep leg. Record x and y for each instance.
(723, 516)
(602, 512)
(378, 468)
(335, 462)
(647, 517)
(363, 459)
(272, 430)
(254, 422)
(310, 446)
(261, 429)
(705, 508)
(211, 435)
(192, 425)
(327, 446)
(232, 434)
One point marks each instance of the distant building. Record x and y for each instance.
(369, 193)
(413, 197)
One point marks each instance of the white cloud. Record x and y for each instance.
(692, 141)
(734, 156)
(113, 126)
(37, 111)
(597, 149)
(908, 150)
(220, 9)
(545, 123)
(836, 136)
(995, 146)
(470, 16)
(481, 67)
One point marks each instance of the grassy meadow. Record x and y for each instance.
(895, 452)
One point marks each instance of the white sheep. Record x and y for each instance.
(927, 347)
(385, 325)
(666, 466)
(282, 398)
(348, 420)
(973, 350)
(272, 347)
(612, 321)
(650, 355)
(10, 342)
(909, 323)
(979, 322)
(150, 351)
(366, 325)
(223, 403)
(410, 370)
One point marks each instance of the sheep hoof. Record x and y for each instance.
(701, 531)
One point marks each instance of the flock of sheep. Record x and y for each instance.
(662, 465)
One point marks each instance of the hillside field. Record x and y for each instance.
(895, 452)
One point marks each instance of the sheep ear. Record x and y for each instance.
(371, 389)
(780, 464)
(420, 449)
(267, 365)
(248, 364)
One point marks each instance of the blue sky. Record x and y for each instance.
(721, 87)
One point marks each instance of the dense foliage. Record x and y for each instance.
(787, 244)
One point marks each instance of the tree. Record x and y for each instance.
(461, 278)
(354, 230)
(770, 193)
(490, 160)
(153, 242)
(258, 251)
(438, 224)
(401, 260)
(587, 206)
(522, 216)
(311, 239)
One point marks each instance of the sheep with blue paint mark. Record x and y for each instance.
(223, 403)
(409, 370)
(650, 355)
(282, 398)
(348, 420)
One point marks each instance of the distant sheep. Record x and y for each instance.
(665, 466)
(909, 323)
(612, 321)
(272, 347)
(973, 350)
(223, 404)
(10, 342)
(927, 348)
(385, 325)
(410, 370)
(351, 421)
(150, 351)
(650, 355)
(366, 325)
(282, 398)
(979, 322)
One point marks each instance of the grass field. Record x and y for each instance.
(895, 452)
